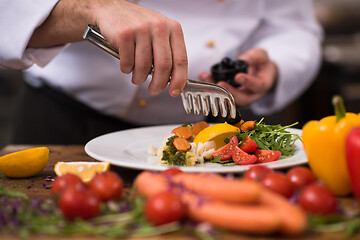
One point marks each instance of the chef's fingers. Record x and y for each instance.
(255, 56)
(179, 59)
(206, 77)
(126, 44)
(162, 58)
(143, 58)
(243, 97)
(252, 83)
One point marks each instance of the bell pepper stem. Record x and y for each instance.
(339, 107)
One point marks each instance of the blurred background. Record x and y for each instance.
(339, 74)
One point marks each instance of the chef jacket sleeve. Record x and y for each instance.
(292, 37)
(18, 20)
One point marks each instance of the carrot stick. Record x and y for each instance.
(293, 218)
(220, 188)
(181, 144)
(181, 131)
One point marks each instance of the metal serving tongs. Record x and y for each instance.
(197, 96)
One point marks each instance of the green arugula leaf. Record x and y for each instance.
(273, 137)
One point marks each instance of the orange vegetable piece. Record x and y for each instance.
(197, 127)
(247, 126)
(183, 132)
(181, 144)
(238, 124)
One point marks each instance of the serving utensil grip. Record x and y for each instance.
(93, 35)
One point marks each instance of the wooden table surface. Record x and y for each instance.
(33, 187)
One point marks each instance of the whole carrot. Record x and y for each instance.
(293, 218)
(246, 218)
(220, 188)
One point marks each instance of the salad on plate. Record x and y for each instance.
(247, 142)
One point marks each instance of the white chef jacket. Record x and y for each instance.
(213, 29)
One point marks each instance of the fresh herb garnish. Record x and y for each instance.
(273, 137)
(9, 193)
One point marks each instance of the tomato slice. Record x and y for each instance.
(243, 158)
(226, 151)
(267, 155)
(248, 145)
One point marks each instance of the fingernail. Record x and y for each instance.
(175, 92)
(154, 92)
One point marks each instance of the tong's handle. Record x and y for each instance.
(93, 35)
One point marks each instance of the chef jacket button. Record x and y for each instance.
(210, 44)
(142, 103)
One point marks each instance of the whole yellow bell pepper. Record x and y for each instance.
(324, 144)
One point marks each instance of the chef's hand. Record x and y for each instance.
(260, 79)
(143, 37)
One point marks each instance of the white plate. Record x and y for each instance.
(128, 149)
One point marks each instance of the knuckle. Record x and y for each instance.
(175, 25)
(126, 34)
(159, 26)
(165, 64)
(181, 62)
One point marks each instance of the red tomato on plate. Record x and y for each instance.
(226, 151)
(267, 155)
(248, 145)
(242, 158)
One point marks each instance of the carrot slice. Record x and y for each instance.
(181, 131)
(247, 126)
(197, 127)
(181, 144)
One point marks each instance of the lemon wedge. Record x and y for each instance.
(25, 163)
(85, 170)
(217, 133)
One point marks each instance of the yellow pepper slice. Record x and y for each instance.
(324, 144)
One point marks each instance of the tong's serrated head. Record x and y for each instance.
(201, 97)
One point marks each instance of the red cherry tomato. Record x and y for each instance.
(106, 186)
(242, 158)
(164, 207)
(317, 199)
(78, 202)
(248, 145)
(64, 181)
(300, 177)
(171, 171)
(257, 172)
(226, 151)
(279, 183)
(267, 155)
